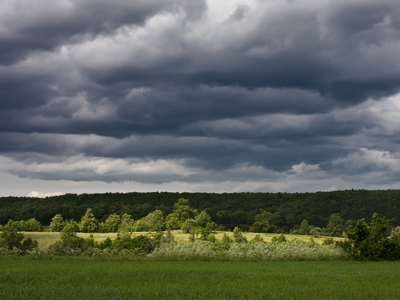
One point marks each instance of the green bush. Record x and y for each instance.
(294, 250)
(280, 239)
(11, 239)
(371, 242)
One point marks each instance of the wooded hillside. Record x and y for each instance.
(229, 209)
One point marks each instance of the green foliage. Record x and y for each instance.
(395, 235)
(371, 242)
(262, 223)
(102, 228)
(74, 225)
(335, 226)
(157, 239)
(107, 243)
(328, 242)
(140, 225)
(293, 250)
(315, 231)
(188, 225)
(238, 236)
(156, 221)
(257, 239)
(212, 225)
(89, 222)
(90, 242)
(226, 239)
(172, 221)
(70, 239)
(211, 238)
(29, 225)
(57, 223)
(127, 223)
(112, 223)
(304, 227)
(204, 233)
(168, 238)
(279, 239)
(202, 219)
(10, 237)
(229, 210)
(141, 242)
(183, 210)
(192, 236)
(29, 244)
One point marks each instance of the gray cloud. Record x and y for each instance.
(222, 90)
(44, 26)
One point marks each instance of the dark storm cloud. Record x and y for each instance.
(270, 84)
(44, 25)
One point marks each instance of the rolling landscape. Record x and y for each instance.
(181, 252)
(199, 149)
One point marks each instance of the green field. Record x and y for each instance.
(84, 278)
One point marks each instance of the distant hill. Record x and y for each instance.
(230, 209)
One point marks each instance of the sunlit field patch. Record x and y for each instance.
(45, 239)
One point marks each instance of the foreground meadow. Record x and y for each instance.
(85, 278)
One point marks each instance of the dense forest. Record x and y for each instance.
(287, 210)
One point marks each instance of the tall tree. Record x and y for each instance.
(335, 225)
(202, 219)
(261, 223)
(89, 222)
(126, 223)
(172, 221)
(112, 223)
(10, 237)
(184, 211)
(157, 221)
(57, 223)
(238, 236)
(304, 227)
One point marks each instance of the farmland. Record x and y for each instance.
(85, 278)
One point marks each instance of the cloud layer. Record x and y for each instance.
(260, 95)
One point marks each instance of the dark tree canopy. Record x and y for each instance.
(285, 210)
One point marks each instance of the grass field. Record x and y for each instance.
(45, 239)
(80, 278)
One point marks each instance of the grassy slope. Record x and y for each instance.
(45, 239)
(78, 278)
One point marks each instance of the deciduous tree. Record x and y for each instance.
(89, 222)
(57, 223)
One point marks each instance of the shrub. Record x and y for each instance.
(238, 236)
(10, 237)
(280, 239)
(328, 241)
(211, 238)
(371, 242)
(257, 239)
(294, 250)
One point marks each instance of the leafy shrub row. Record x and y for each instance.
(293, 250)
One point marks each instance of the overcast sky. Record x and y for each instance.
(213, 96)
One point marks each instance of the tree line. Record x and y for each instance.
(230, 210)
(183, 217)
(365, 241)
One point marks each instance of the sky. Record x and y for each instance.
(198, 96)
